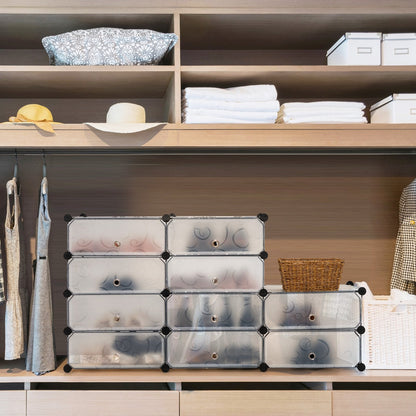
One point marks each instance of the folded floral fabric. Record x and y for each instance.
(197, 103)
(322, 120)
(324, 104)
(248, 93)
(238, 115)
(204, 119)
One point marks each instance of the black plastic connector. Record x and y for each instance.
(67, 217)
(360, 366)
(350, 283)
(67, 293)
(263, 255)
(67, 331)
(263, 367)
(165, 367)
(165, 255)
(166, 218)
(360, 330)
(67, 255)
(263, 330)
(263, 292)
(82, 215)
(165, 293)
(262, 217)
(67, 368)
(165, 330)
(362, 291)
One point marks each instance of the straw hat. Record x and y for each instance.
(36, 114)
(125, 118)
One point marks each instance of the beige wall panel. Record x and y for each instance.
(103, 403)
(13, 403)
(249, 403)
(374, 403)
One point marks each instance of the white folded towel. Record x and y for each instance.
(197, 103)
(194, 119)
(237, 115)
(248, 93)
(322, 120)
(324, 111)
(324, 104)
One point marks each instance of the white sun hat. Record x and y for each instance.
(125, 118)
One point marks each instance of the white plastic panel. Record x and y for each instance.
(115, 350)
(319, 310)
(116, 235)
(214, 349)
(221, 311)
(116, 312)
(312, 349)
(116, 274)
(215, 273)
(215, 235)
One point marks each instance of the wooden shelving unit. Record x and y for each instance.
(340, 202)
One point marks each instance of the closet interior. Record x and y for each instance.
(329, 190)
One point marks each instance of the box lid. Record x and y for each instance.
(399, 36)
(392, 97)
(353, 35)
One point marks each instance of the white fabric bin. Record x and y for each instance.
(357, 48)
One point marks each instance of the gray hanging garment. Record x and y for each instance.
(15, 317)
(41, 347)
(404, 264)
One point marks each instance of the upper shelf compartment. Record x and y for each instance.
(277, 38)
(21, 34)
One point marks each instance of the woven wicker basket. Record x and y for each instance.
(310, 275)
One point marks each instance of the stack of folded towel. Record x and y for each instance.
(322, 112)
(247, 104)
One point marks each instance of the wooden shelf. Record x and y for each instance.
(83, 81)
(14, 372)
(320, 82)
(216, 137)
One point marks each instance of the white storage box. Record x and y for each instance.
(122, 312)
(398, 49)
(194, 273)
(397, 108)
(357, 48)
(116, 274)
(215, 310)
(209, 349)
(390, 338)
(116, 235)
(215, 235)
(115, 350)
(312, 310)
(312, 349)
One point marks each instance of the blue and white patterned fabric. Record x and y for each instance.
(109, 46)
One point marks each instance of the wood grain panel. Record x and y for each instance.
(104, 403)
(13, 403)
(249, 403)
(318, 206)
(374, 403)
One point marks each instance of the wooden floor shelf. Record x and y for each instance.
(14, 372)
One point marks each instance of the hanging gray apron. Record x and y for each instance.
(15, 318)
(41, 348)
